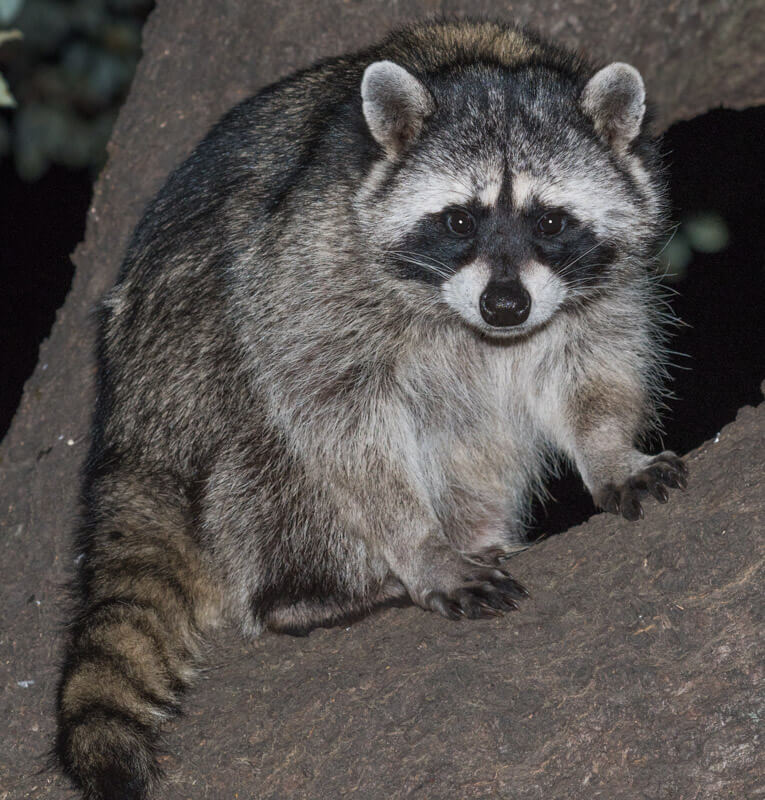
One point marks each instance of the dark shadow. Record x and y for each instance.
(40, 225)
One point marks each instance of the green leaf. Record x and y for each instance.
(6, 98)
(707, 232)
(675, 257)
(9, 9)
(9, 36)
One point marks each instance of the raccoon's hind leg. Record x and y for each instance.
(146, 598)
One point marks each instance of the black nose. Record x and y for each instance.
(504, 304)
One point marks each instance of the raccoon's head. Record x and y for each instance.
(504, 196)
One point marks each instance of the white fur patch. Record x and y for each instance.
(547, 292)
(524, 190)
(463, 291)
(415, 200)
(586, 194)
(596, 202)
(643, 180)
(427, 192)
(489, 191)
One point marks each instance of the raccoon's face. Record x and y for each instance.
(511, 196)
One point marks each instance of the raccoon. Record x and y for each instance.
(349, 338)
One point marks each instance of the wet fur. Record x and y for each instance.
(292, 425)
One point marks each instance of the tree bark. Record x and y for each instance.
(633, 671)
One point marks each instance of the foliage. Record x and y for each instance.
(68, 78)
(7, 100)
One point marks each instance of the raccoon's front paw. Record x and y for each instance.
(484, 593)
(663, 470)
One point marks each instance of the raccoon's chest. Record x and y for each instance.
(479, 403)
(478, 446)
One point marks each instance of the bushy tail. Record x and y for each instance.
(146, 597)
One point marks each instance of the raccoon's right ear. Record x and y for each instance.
(395, 105)
(614, 99)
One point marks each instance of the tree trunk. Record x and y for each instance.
(633, 671)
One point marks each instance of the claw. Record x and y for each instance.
(511, 587)
(610, 501)
(672, 470)
(490, 593)
(493, 596)
(490, 611)
(632, 510)
(673, 479)
(665, 470)
(441, 604)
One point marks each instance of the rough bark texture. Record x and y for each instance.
(632, 673)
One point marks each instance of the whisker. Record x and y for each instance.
(417, 259)
(675, 229)
(430, 267)
(421, 256)
(430, 258)
(579, 257)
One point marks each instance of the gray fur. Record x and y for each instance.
(395, 105)
(615, 100)
(302, 412)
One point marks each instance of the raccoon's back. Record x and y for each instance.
(172, 377)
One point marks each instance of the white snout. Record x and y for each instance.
(462, 292)
(547, 292)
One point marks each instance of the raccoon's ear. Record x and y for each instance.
(614, 99)
(395, 105)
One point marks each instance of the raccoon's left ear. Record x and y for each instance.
(614, 99)
(395, 105)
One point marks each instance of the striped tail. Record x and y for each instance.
(146, 599)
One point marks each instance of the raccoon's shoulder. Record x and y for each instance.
(252, 152)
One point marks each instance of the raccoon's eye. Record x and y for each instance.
(459, 221)
(551, 223)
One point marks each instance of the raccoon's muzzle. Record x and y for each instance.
(505, 303)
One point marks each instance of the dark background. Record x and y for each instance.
(73, 81)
